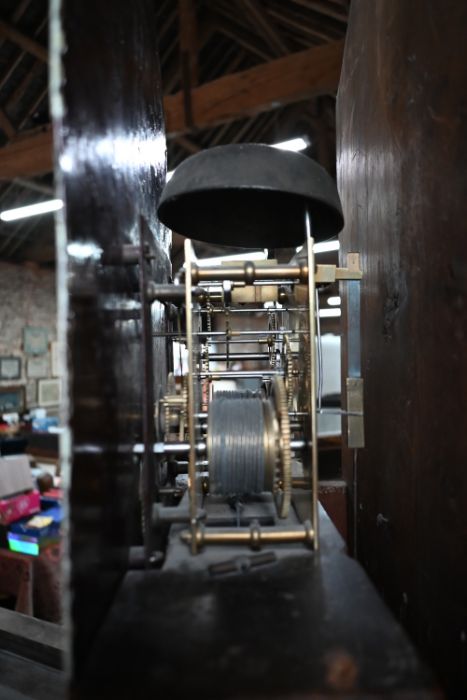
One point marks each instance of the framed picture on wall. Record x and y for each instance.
(10, 368)
(38, 367)
(35, 340)
(11, 399)
(48, 392)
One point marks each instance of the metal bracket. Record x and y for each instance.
(331, 273)
(355, 422)
(354, 383)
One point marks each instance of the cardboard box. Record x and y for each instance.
(15, 475)
(20, 506)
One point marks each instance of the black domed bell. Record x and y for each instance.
(251, 195)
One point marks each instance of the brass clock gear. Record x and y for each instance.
(284, 480)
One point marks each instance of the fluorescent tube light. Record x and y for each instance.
(323, 247)
(255, 255)
(328, 313)
(31, 210)
(84, 251)
(334, 301)
(298, 144)
(326, 246)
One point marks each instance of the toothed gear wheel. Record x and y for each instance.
(184, 408)
(288, 371)
(272, 326)
(209, 318)
(205, 358)
(284, 492)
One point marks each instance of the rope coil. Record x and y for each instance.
(236, 444)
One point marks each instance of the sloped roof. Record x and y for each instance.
(222, 37)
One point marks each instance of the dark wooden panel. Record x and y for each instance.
(303, 627)
(23, 679)
(110, 151)
(333, 498)
(31, 638)
(402, 152)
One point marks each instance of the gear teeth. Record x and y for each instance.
(282, 408)
(289, 372)
(205, 358)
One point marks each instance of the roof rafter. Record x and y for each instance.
(282, 81)
(317, 32)
(324, 9)
(295, 77)
(6, 126)
(29, 155)
(266, 27)
(245, 40)
(7, 31)
(189, 39)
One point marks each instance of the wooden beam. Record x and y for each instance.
(25, 42)
(230, 59)
(247, 40)
(266, 27)
(6, 126)
(15, 63)
(35, 105)
(189, 145)
(172, 69)
(17, 14)
(305, 27)
(34, 186)
(167, 14)
(189, 38)
(27, 156)
(296, 77)
(322, 9)
(188, 52)
(23, 85)
(222, 132)
(237, 27)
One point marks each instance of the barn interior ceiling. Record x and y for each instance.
(232, 71)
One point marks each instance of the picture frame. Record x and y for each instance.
(35, 340)
(10, 367)
(11, 399)
(49, 392)
(38, 367)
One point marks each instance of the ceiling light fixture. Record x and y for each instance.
(328, 313)
(255, 255)
(324, 247)
(298, 144)
(31, 210)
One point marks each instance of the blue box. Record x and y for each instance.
(31, 535)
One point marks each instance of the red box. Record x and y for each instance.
(19, 506)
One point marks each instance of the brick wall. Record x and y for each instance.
(27, 297)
